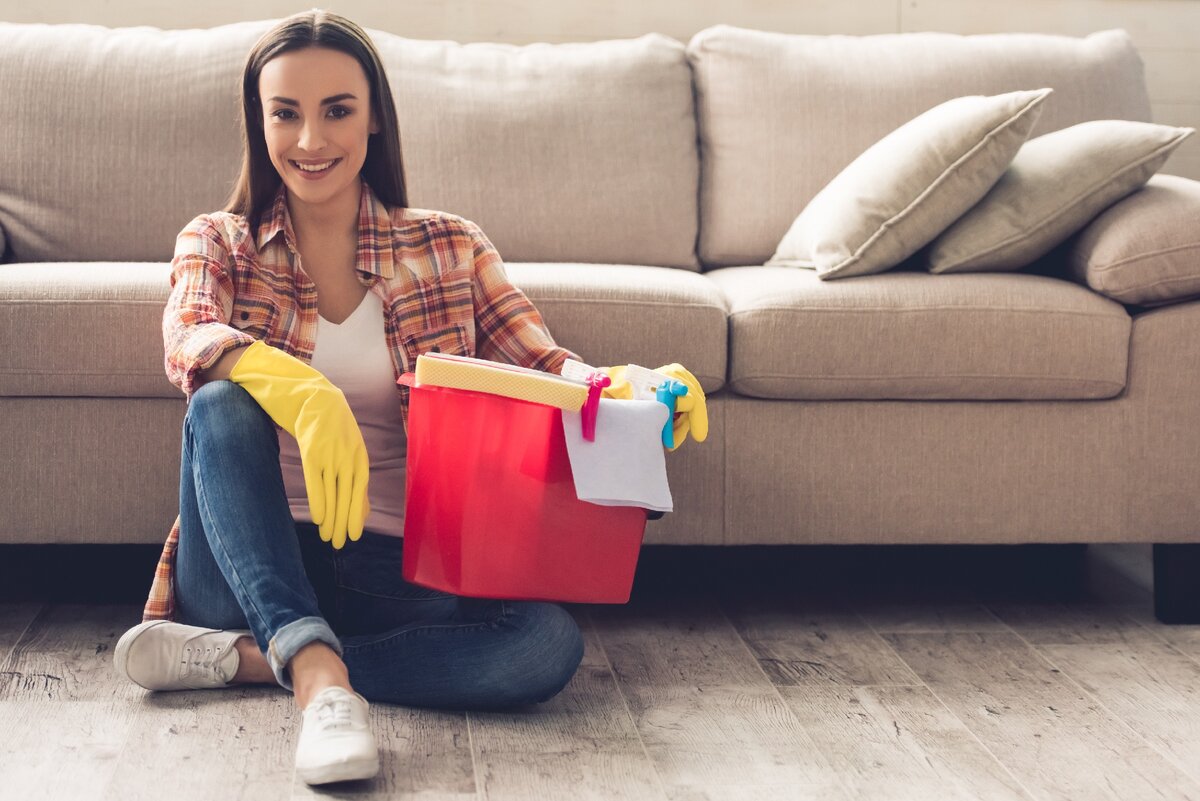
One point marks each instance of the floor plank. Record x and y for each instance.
(15, 618)
(242, 740)
(615, 772)
(801, 642)
(579, 744)
(741, 791)
(674, 641)
(1077, 622)
(704, 709)
(1152, 687)
(899, 743)
(1184, 638)
(51, 751)
(65, 654)
(1059, 742)
(892, 615)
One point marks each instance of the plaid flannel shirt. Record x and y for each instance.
(442, 283)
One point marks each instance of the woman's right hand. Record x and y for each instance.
(332, 451)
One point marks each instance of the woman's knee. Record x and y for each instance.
(226, 407)
(551, 647)
(220, 396)
(211, 616)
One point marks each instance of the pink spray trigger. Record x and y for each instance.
(596, 382)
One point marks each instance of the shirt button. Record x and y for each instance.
(245, 315)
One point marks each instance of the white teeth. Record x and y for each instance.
(314, 168)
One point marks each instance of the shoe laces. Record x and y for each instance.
(333, 713)
(203, 661)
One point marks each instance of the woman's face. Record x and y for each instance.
(316, 108)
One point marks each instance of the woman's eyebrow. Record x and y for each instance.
(325, 102)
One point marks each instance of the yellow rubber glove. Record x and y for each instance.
(332, 452)
(691, 411)
(619, 389)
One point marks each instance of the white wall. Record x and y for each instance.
(1166, 32)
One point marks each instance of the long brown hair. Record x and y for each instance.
(383, 169)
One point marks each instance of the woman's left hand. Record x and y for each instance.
(691, 411)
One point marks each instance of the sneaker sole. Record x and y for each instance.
(121, 653)
(340, 771)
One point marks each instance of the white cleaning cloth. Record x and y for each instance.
(626, 465)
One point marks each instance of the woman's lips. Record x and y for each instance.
(313, 176)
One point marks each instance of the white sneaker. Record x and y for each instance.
(164, 655)
(336, 743)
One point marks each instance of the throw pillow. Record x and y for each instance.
(1145, 249)
(907, 187)
(1054, 186)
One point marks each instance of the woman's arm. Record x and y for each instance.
(508, 327)
(221, 369)
(196, 334)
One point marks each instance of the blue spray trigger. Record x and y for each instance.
(666, 393)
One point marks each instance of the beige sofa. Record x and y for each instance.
(635, 189)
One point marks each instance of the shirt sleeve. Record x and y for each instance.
(508, 328)
(195, 326)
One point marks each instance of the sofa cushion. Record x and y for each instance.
(1055, 185)
(907, 187)
(782, 114)
(1145, 249)
(84, 328)
(550, 148)
(95, 329)
(911, 335)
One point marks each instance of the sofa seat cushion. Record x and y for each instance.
(909, 335)
(94, 329)
(84, 329)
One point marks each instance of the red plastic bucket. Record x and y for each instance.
(491, 510)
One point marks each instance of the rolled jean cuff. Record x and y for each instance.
(294, 636)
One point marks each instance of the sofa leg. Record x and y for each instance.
(1177, 582)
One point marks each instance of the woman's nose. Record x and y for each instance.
(311, 138)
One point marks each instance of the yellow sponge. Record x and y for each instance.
(495, 378)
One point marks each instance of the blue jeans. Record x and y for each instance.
(244, 563)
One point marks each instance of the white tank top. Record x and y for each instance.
(354, 357)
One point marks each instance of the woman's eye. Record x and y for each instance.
(335, 108)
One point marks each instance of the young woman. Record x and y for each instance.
(292, 312)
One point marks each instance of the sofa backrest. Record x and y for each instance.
(114, 139)
(781, 114)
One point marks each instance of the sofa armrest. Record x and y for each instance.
(1143, 250)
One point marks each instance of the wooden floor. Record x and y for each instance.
(1027, 672)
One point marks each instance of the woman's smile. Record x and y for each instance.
(310, 174)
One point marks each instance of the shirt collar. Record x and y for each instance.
(374, 230)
